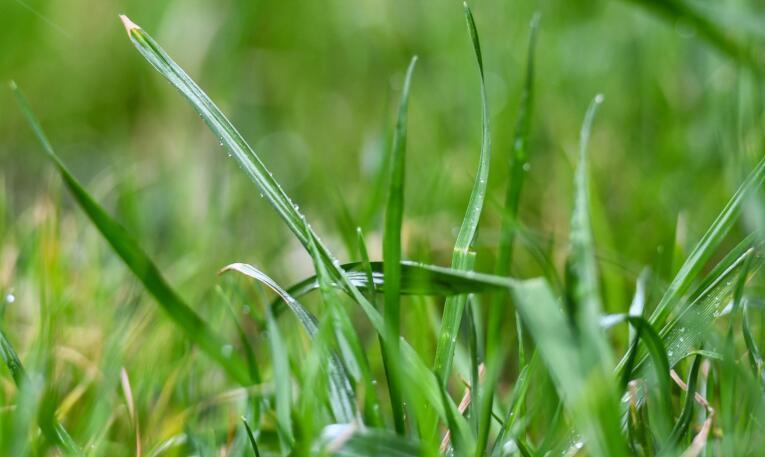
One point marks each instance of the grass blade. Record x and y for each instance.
(581, 267)
(139, 262)
(251, 437)
(394, 213)
(461, 259)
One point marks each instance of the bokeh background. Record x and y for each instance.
(313, 86)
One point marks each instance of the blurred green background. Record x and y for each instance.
(313, 86)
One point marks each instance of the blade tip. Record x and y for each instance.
(129, 25)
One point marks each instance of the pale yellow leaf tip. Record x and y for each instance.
(129, 25)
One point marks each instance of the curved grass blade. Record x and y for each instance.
(251, 437)
(53, 430)
(394, 213)
(416, 279)
(139, 262)
(581, 266)
(341, 392)
(519, 159)
(461, 259)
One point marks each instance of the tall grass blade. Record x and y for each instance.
(581, 266)
(394, 213)
(461, 258)
(139, 262)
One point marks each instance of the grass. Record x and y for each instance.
(383, 355)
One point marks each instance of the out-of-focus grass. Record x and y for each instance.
(314, 88)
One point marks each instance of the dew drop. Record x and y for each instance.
(670, 353)
(10, 298)
(526, 166)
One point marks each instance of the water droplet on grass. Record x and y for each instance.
(10, 298)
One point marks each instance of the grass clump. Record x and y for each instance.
(521, 366)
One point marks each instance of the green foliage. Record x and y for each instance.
(347, 371)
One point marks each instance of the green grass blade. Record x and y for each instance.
(416, 279)
(140, 264)
(394, 213)
(227, 134)
(581, 266)
(454, 307)
(251, 437)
